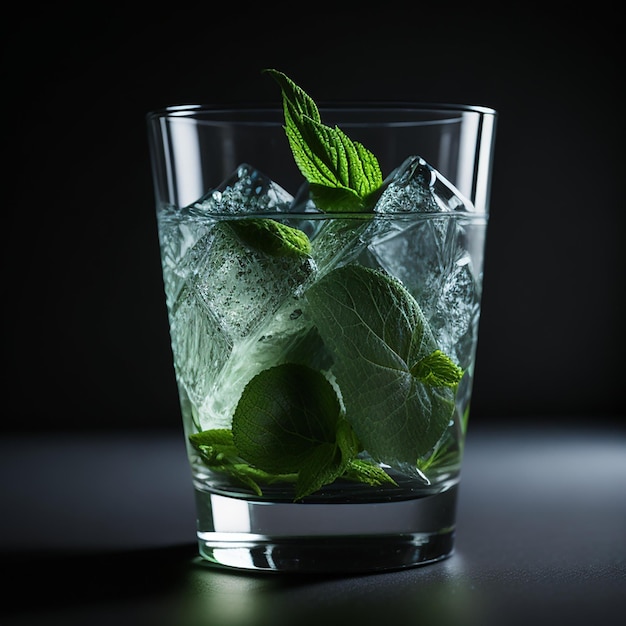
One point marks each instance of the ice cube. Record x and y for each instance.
(430, 253)
(199, 345)
(430, 259)
(455, 319)
(213, 370)
(281, 338)
(416, 187)
(178, 233)
(235, 313)
(339, 241)
(247, 190)
(242, 286)
(302, 202)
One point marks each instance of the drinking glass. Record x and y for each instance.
(324, 357)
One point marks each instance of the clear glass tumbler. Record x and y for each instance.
(324, 357)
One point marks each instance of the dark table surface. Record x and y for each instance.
(100, 529)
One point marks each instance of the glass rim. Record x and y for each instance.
(191, 110)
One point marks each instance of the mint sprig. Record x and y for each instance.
(217, 450)
(343, 174)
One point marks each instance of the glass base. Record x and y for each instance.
(325, 538)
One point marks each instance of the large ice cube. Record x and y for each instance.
(178, 233)
(199, 344)
(240, 285)
(278, 340)
(246, 191)
(441, 277)
(235, 311)
(339, 241)
(429, 253)
(416, 187)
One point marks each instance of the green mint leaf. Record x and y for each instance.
(215, 447)
(347, 441)
(296, 102)
(284, 414)
(438, 369)
(322, 466)
(367, 472)
(271, 237)
(377, 333)
(288, 420)
(335, 199)
(240, 473)
(326, 156)
(328, 461)
(217, 450)
(252, 476)
(217, 436)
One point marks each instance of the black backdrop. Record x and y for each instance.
(85, 330)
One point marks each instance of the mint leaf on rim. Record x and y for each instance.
(343, 174)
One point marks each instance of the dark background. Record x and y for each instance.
(85, 331)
